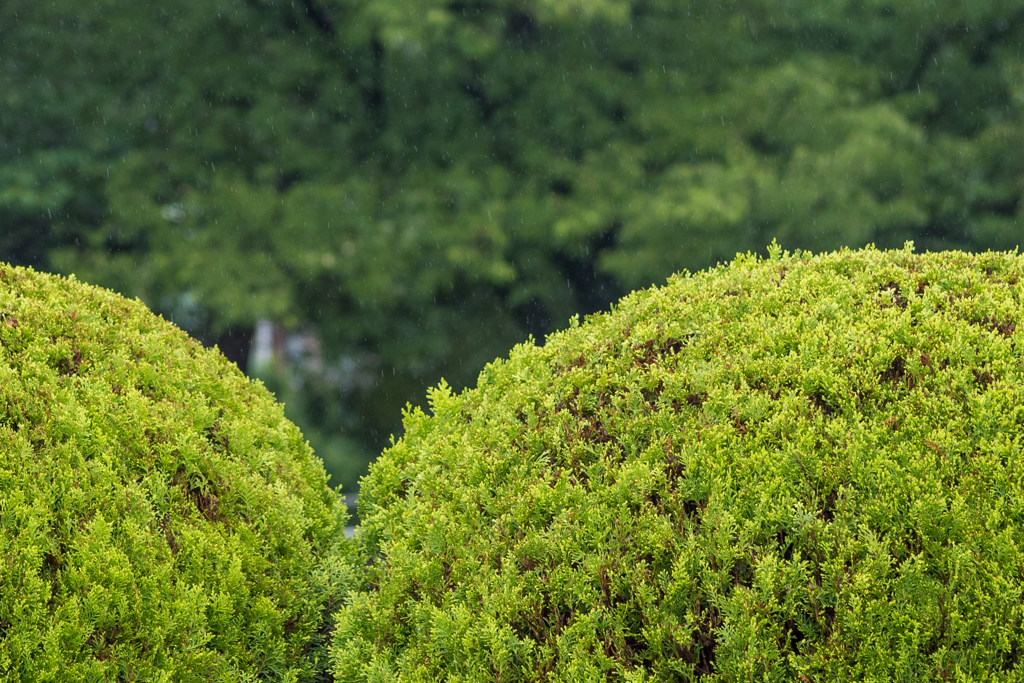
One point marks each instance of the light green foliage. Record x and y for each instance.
(792, 469)
(427, 182)
(160, 520)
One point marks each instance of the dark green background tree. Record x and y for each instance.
(423, 184)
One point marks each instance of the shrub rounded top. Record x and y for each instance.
(799, 468)
(160, 519)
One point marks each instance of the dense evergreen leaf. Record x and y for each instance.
(791, 469)
(160, 519)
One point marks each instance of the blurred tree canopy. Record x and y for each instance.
(425, 183)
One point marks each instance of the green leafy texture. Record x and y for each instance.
(429, 182)
(160, 520)
(792, 469)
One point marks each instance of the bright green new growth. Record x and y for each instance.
(160, 520)
(796, 469)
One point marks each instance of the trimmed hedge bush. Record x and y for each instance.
(160, 519)
(793, 469)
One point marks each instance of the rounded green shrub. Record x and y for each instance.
(793, 469)
(160, 519)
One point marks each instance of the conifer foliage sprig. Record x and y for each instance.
(160, 519)
(803, 468)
